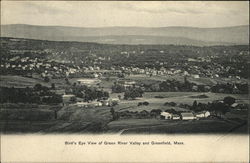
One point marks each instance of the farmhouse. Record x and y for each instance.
(187, 116)
(237, 106)
(166, 115)
(86, 104)
(234, 105)
(82, 104)
(116, 100)
(196, 76)
(202, 114)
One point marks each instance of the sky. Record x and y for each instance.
(126, 13)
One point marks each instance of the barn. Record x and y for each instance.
(187, 116)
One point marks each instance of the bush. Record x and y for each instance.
(170, 104)
(143, 103)
(229, 100)
(200, 96)
(159, 97)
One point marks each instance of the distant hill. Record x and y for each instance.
(236, 35)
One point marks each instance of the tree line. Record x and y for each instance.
(38, 94)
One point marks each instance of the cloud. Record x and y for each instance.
(125, 13)
(44, 8)
(161, 7)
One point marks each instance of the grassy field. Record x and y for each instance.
(31, 118)
(182, 127)
(199, 81)
(177, 97)
(180, 97)
(121, 124)
(19, 81)
(151, 126)
(25, 126)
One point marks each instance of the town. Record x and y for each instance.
(50, 86)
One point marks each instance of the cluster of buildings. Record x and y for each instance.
(53, 63)
(185, 115)
(72, 100)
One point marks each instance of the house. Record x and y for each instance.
(176, 117)
(114, 99)
(234, 105)
(202, 114)
(166, 115)
(196, 76)
(187, 116)
(237, 106)
(96, 103)
(83, 104)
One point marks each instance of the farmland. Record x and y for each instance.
(98, 120)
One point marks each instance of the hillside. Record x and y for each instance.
(132, 35)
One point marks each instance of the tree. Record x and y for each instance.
(133, 93)
(145, 103)
(194, 105)
(53, 86)
(155, 112)
(38, 87)
(72, 99)
(220, 108)
(112, 111)
(114, 114)
(116, 88)
(229, 100)
(121, 75)
(67, 81)
(46, 79)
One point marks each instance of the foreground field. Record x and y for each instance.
(157, 126)
(99, 120)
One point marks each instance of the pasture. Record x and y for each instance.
(20, 81)
(185, 127)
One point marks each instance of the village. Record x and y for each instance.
(94, 92)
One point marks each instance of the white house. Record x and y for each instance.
(203, 114)
(82, 104)
(234, 105)
(87, 104)
(196, 76)
(166, 115)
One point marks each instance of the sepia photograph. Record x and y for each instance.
(124, 68)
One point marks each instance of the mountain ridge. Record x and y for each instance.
(234, 35)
